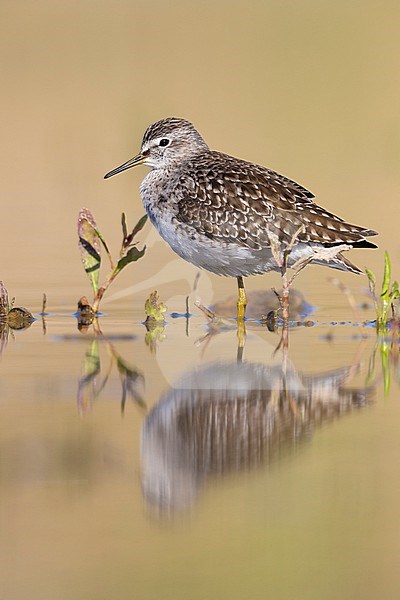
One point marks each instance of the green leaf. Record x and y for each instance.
(103, 241)
(89, 243)
(386, 277)
(123, 223)
(132, 255)
(128, 239)
(139, 225)
(385, 290)
(371, 277)
(395, 293)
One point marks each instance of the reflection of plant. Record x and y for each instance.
(388, 299)
(89, 389)
(131, 379)
(154, 334)
(90, 243)
(389, 353)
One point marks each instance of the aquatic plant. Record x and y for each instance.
(154, 309)
(387, 324)
(91, 241)
(11, 317)
(155, 321)
(15, 317)
(386, 304)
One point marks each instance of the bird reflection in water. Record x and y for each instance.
(227, 417)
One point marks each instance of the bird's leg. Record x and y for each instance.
(242, 300)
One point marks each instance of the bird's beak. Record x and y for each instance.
(136, 160)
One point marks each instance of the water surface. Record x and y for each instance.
(215, 476)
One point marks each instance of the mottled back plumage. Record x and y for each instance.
(237, 201)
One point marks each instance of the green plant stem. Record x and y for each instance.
(101, 291)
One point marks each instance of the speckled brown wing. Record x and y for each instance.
(235, 201)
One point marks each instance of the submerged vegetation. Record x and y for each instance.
(91, 241)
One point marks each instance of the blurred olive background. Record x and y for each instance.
(308, 88)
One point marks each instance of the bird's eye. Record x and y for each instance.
(163, 142)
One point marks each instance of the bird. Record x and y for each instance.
(225, 214)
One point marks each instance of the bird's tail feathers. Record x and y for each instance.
(341, 263)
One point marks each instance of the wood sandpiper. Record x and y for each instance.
(226, 215)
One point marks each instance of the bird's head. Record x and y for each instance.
(165, 143)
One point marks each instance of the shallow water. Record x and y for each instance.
(220, 475)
